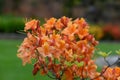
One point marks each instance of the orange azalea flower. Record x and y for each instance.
(56, 53)
(64, 20)
(118, 78)
(59, 25)
(43, 31)
(61, 44)
(50, 24)
(54, 36)
(31, 25)
(32, 38)
(91, 39)
(70, 30)
(82, 30)
(108, 74)
(91, 69)
(82, 23)
(82, 45)
(68, 54)
(82, 33)
(68, 75)
(112, 73)
(58, 41)
(98, 78)
(44, 50)
(88, 70)
(26, 58)
(26, 51)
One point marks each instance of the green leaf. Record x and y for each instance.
(81, 56)
(63, 77)
(104, 54)
(109, 53)
(69, 64)
(75, 56)
(79, 64)
(118, 52)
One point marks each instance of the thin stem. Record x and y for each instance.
(51, 76)
(106, 61)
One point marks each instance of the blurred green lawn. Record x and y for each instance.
(11, 67)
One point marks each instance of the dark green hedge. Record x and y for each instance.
(11, 24)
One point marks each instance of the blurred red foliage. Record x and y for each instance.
(112, 30)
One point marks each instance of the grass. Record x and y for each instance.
(106, 47)
(109, 46)
(11, 67)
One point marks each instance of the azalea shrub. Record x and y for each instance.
(63, 49)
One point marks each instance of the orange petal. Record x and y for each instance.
(31, 25)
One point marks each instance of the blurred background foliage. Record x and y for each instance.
(97, 31)
(102, 15)
(9, 23)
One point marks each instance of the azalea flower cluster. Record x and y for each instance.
(62, 49)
